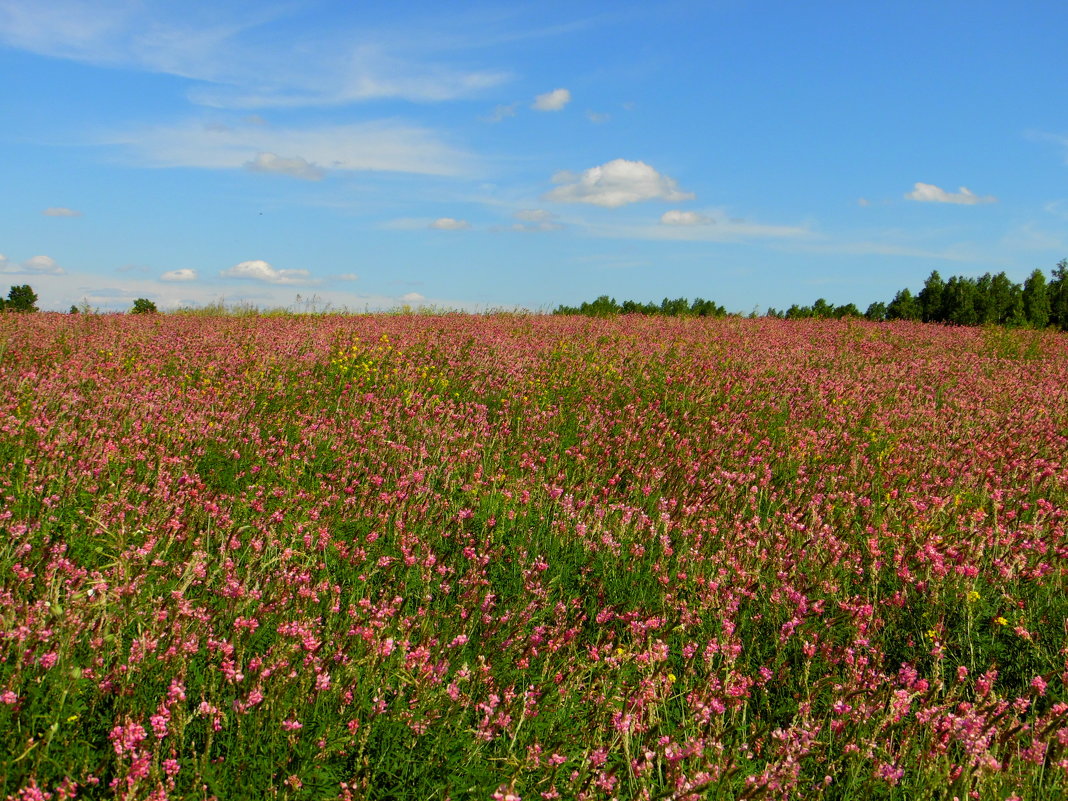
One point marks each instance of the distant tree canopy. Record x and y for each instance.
(605, 306)
(989, 299)
(20, 299)
(143, 306)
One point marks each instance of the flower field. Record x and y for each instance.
(531, 557)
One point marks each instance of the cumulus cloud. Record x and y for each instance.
(295, 167)
(60, 211)
(449, 224)
(676, 217)
(552, 101)
(614, 184)
(185, 274)
(259, 270)
(35, 265)
(412, 297)
(929, 193)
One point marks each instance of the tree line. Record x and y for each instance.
(989, 299)
(23, 299)
(605, 306)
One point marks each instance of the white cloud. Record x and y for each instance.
(295, 167)
(598, 117)
(535, 220)
(501, 112)
(412, 297)
(929, 193)
(1029, 236)
(449, 224)
(184, 274)
(221, 45)
(60, 211)
(676, 217)
(387, 145)
(615, 184)
(714, 225)
(35, 265)
(863, 202)
(347, 277)
(259, 270)
(552, 101)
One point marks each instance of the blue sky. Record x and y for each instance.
(483, 155)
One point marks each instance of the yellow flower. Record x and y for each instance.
(1000, 621)
(973, 596)
(672, 678)
(931, 633)
(72, 718)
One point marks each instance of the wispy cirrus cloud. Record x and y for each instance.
(178, 276)
(60, 211)
(295, 167)
(449, 224)
(537, 220)
(712, 225)
(221, 46)
(501, 112)
(677, 217)
(384, 145)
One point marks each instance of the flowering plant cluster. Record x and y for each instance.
(530, 557)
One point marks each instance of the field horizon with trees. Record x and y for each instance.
(987, 300)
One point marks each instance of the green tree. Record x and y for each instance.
(604, 306)
(1036, 300)
(847, 310)
(930, 298)
(996, 299)
(904, 307)
(143, 306)
(876, 312)
(674, 308)
(958, 301)
(822, 309)
(21, 299)
(1058, 295)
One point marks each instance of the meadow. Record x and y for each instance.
(531, 557)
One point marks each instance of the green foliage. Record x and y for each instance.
(1035, 298)
(876, 312)
(904, 307)
(1058, 296)
(143, 306)
(21, 299)
(605, 306)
